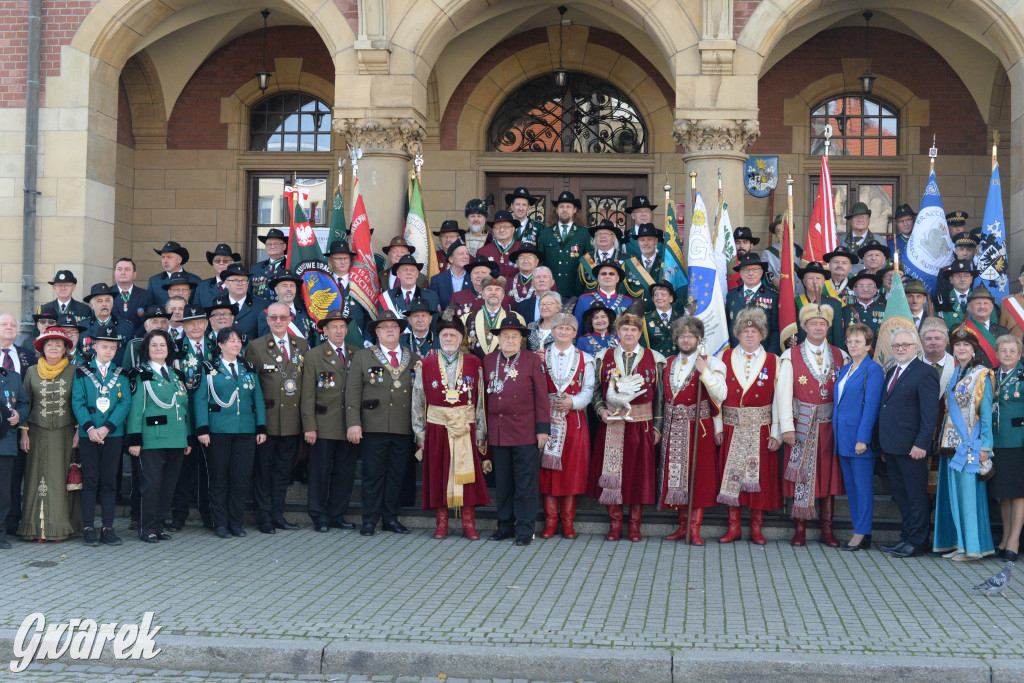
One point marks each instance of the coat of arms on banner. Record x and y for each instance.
(762, 175)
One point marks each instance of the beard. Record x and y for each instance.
(477, 229)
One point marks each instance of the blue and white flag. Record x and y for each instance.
(705, 291)
(991, 260)
(929, 249)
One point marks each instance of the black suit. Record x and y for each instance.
(906, 419)
(528, 309)
(26, 359)
(133, 309)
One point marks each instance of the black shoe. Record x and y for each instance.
(176, 526)
(89, 537)
(320, 528)
(237, 531)
(222, 532)
(525, 540)
(284, 524)
(164, 537)
(905, 550)
(368, 530)
(108, 537)
(267, 528)
(134, 525)
(865, 543)
(152, 538)
(341, 524)
(888, 549)
(395, 527)
(4, 543)
(1009, 556)
(999, 554)
(500, 535)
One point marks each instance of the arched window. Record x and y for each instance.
(587, 114)
(290, 122)
(861, 127)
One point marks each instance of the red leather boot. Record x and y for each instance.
(634, 522)
(615, 528)
(680, 533)
(550, 517)
(756, 518)
(733, 532)
(800, 535)
(441, 517)
(469, 523)
(568, 516)
(695, 521)
(827, 505)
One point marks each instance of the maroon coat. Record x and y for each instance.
(491, 252)
(705, 477)
(521, 409)
(442, 260)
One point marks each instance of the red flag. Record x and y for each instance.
(363, 281)
(821, 233)
(787, 295)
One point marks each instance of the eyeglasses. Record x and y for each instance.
(221, 314)
(279, 317)
(904, 345)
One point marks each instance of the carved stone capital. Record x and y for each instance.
(716, 135)
(373, 135)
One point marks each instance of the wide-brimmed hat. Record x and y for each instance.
(483, 262)
(778, 220)
(385, 317)
(222, 250)
(180, 278)
(274, 234)
(640, 201)
(744, 233)
(520, 193)
(842, 250)
(340, 247)
(419, 305)
(455, 323)
(605, 224)
(610, 263)
(64, 277)
(155, 311)
(44, 315)
(814, 267)
(450, 226)
(874, 246)
(333, 314)
(750, 259)
(68, 320)
(959, 266)
(914, 286)
(595, 307)
(406, 260)
(503, 217)
(284, 276)
(399, 242)
(106, 333)
(193, 312)
(865, 275)
(648, 230)
(455, 245)
(221, 302)
(980, 292)
(526, 248)
(903, 210)
(666, 285)
(172, 247)
(233, 270)
(859, 209)
(52, 333)
(567, 197)
(512, 323)
(98, 289)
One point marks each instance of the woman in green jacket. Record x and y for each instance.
(158, 430)
(230, 421)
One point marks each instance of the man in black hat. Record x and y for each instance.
(73, 328)
(63, 284)
(772, 255)
(840, 262)
(814, 276)
(866, 309)
(526, 260)
(221, 315)
(606, 237)
(502, 244)
(378, 412)
(903, 221)
(519, 202)
(965, 246)
(449, 233)
(286, 286)
(400, 297)
(220, 258)
(470, 299)
(917, 298)
(650, 242)
(419, 338)
(952, 304)
(956, 221)
(752, 292)
(236, 282)
(178, 285)
(658, 323)
(641, 212)
(564, 244)
(476, 220)
(609, 275)
(275, 242)
(745, 241)
(858, 220)
(332, 459)
(339, 257)
(172, 257)
(130, 301)
(481, 324)
(101, 301)
(455, 278)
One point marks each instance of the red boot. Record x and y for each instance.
(568, 516)
(756, 518)
(550, 517)
(441, 517)
(698, 517)
(634, 522)
(469, 523)
(800, 535)
(827, 505)
(615, 528)
(733, 532)
(680, 533)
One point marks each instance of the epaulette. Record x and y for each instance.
(208, 366)
(246, 363)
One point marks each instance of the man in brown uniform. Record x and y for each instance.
(332, 459)
(278, 358)
(378, 410)
(518, 424)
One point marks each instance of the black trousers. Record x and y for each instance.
(331, 471)
(229, 459)
(193, 486)
(99, 478)
(159, 469)
(385, 459)
(272, 475)
(17, 473)
(7, 463)
(909, 481)
(135, 496)
(517, 484)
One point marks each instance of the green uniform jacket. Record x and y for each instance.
(280, 381)
(870, 316)
(323, 392)
(151, 426)
(529, 232)
(1008, 423)
(562, 257)
(378, 397)
(84, 395)
(243, 413)
(658, 333)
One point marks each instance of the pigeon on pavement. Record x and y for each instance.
(997, 583)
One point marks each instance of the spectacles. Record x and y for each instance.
(223, 314)
(905, 345)
(279, 317)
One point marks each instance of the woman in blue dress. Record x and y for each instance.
(598, 323)
(962, 530)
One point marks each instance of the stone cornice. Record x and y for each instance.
(380, 135)
(716, 135)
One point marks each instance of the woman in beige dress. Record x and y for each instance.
(49, 511)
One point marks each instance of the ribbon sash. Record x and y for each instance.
(743, 462)
(985, 340)
(676, 448)
(1016, 310)
(611, 469)
(967, 454)
(802, 468)
(456, 420)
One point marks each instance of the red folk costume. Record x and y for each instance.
(493, 252)
(519, 289)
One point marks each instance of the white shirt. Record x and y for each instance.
(342, 280)
(238, 302)
(410, 292)
(563, 360)
(605, 256)
(666, 315)
(900, 368)
(197, 346)
(649, 262)
(102, 368)
(283, 340)
(14, 358)
(158, 368)
(457, 280)
(126, 291)
(782, 401)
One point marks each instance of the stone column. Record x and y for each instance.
(383, 169)
(713, 144)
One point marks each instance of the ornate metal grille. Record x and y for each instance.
(538, 212)
(586, 115)
(611, 207)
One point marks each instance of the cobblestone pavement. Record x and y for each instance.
(585, 592)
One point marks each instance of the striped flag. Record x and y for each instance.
(417, 232)
(705, 292)
(364, 283)
(821, 233)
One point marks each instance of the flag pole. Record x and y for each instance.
(668, 198)
(789, 199)
(995, 147)
(718, 214)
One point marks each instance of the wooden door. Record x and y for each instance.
(602, 196)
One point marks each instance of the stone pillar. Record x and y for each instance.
(383, 169)
(713, 144)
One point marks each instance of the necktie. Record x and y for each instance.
(394, 358)
(408, 298)
(166, 375)
(284, 350)
(895, 377)
(199, 350)
(341, 353)
(234, 373)
(63, 309)
(963, 301)
(8, 364)
(648, 264)
(103, 371)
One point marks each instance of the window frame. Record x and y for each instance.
(885, 111)
(318, 134)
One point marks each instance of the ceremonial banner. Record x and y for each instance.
(705, 293)
(417, 232)
(364, 284)
(306, 259)
(897, 317)
(339, 228)
(991, 260)
(821, 233)
(674, 269)
(787, 292)
(725, 247)
(929, 249)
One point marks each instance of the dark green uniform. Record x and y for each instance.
(837, 332)
(658, 332)
(1008, 422)
(562, 256)
(869, 315)
(85, 396)
(528, 232)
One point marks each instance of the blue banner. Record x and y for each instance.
(991, 260)
(929, 249)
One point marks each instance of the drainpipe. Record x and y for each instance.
(28, 230)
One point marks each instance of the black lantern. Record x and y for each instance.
(867, 79)
(263, 76)
(560, 74)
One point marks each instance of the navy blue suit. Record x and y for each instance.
(159, 294)
(427, 295)
(528, 309)
(854, 415)
(132, 310)
(441, 285)
(248, 318)
(767, 300)
(907, 418)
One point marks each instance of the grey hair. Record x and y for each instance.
(17, 323)
(551, 295)
(1003, 339)
(545, 269)
(905, 331)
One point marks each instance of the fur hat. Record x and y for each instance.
(751, 317)
(812, 311)
(491, 280)
(962, 333)
(691, 324)
(629, 319)
(564, 318)
(934, 324)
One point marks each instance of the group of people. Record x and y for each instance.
(555, 359)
